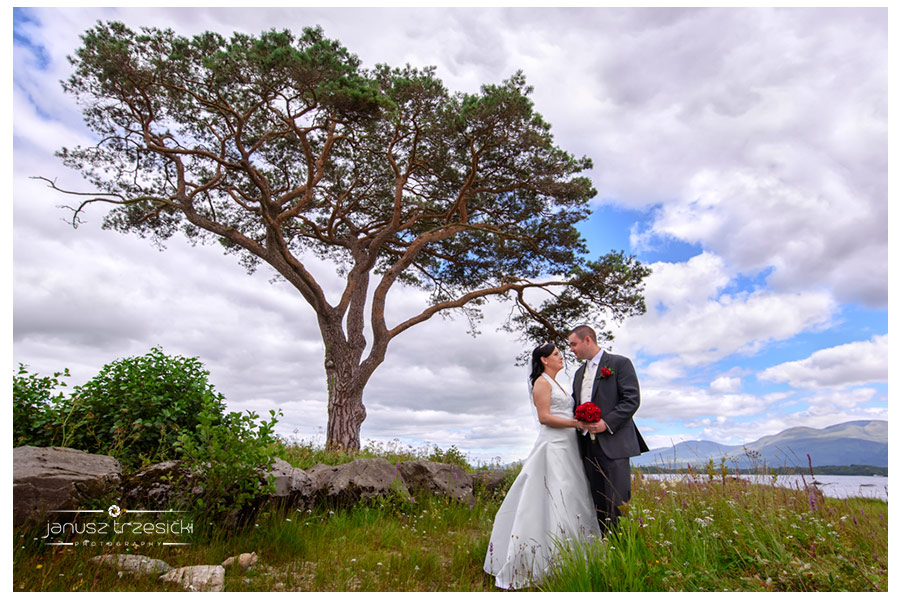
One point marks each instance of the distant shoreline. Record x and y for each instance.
(859, 470)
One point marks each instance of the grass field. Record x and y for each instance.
(713, 533)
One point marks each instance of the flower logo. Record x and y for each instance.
(114, 511)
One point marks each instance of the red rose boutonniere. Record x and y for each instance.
(604, 372)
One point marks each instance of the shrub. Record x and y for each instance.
(231, 456)
(136, 408)
(36, 418)
(450, 456)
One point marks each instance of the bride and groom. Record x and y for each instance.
(571, 486)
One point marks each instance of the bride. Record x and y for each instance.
(550, 501)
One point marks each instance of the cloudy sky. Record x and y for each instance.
(741, 153)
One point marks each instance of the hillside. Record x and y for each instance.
(851, 443)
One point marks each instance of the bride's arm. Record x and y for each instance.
(541, 398)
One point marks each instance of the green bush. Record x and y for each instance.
(231, 456)
(450, 456)
(134, 409)
(36, 417)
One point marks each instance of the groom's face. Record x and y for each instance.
(580, 348)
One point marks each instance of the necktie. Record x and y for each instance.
(587, 384)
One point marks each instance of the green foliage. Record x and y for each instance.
(450, 456)
(137, 408)
(231, 455)
(134, 409)
(36, 417)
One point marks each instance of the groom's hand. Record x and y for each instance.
(598, 427)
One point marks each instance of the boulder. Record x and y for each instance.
(159, 487)
(46, 479)
(133, 563)
(199, 578)
(243, 561)
(362, 479)
(293, 486)
(490, 480)
(438, 478)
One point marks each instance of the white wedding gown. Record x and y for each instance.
(548, 504)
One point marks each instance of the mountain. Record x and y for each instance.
(851, 443)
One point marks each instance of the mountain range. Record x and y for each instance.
(851, 443)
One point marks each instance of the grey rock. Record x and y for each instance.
(490, 480)
(438, 478)
(243, 561)
(133, 563)
(362, 479)
(160, 486)
(293, 486)
(47, 479)
(199, 578)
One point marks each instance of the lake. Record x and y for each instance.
(833, 486)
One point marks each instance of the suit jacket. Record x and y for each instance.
(618, 397)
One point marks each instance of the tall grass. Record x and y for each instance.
(727, 534)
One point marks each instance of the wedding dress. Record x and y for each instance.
(548, 505)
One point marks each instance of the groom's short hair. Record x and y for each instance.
(583, 331)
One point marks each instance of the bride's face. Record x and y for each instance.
(554, 362)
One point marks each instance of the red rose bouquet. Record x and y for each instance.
(589, 413)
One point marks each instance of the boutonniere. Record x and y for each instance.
(604, 372)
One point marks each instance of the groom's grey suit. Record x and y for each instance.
(606, 460)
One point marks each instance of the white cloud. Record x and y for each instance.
(687, 320)
(675, 401)
(838, 367)
(725, 384)
(827, 234)
(788, 116)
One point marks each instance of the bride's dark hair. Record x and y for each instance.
(537, 367)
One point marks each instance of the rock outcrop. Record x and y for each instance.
(362, 479)
(48, 479)
(160, 486)
(293, 487)
(424, 476)
(490, 480)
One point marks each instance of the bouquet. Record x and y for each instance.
(589, 413)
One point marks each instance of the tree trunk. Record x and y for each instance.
(346, 412)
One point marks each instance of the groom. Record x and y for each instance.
(608, 381)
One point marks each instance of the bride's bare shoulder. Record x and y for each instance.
(541, 383)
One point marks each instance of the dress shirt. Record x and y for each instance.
(590, 371)
(587, 384)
